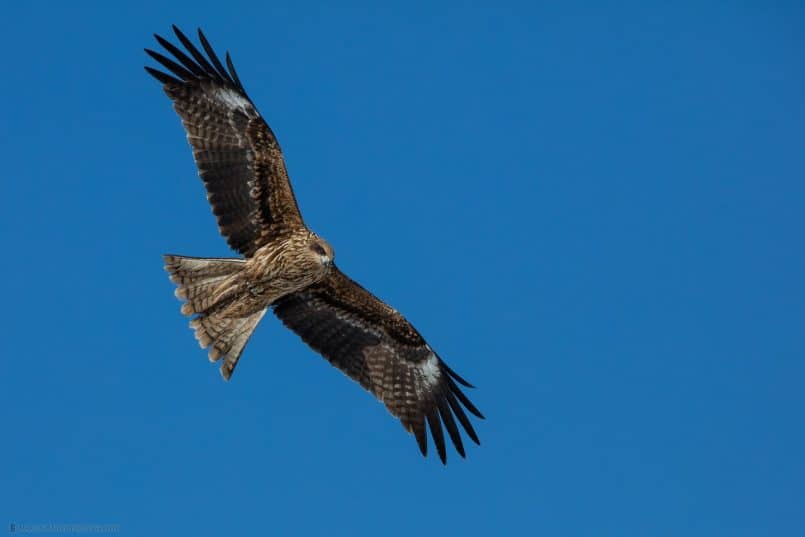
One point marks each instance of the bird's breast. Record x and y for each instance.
(281, 268)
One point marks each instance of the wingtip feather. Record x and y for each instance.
(418, 429)
(462, 417)
(214, 57)
(464, 399)
(450, 425)
(436, 432)
(458, 378)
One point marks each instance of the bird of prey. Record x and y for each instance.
(285, 266)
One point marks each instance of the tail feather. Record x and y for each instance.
(226, 337)
(198, 279)
(187, 270)
(200, 296)
(203, 284)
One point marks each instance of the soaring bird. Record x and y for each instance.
(285, 266)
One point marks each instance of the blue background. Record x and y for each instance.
(594, 213)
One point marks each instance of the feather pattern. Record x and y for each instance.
(237, 154)
(377, 347)
(287, 267)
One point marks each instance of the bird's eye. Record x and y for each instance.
(318, 249)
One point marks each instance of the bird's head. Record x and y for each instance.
(321, 250)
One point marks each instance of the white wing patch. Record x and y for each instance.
(430, 370)
(231, 98)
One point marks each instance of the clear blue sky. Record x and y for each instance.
(595, 214)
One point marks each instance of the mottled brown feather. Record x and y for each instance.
(377, 347)
(237, 154)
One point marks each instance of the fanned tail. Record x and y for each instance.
(207, 287)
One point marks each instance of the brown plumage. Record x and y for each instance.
(286, 266)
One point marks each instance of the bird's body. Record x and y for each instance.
(287, 267)
(229, 292)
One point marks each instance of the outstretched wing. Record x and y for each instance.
(376, 346)
(237, 155)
